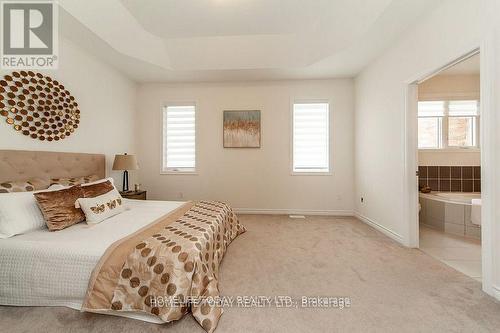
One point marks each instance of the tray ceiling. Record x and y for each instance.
(216, 40)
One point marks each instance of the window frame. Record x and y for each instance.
(444, 130)
(164, 170)
(293, 172)
(440, 121)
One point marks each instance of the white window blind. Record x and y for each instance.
(179, 138)
(431, 109)
(463, 108)
(311, 137)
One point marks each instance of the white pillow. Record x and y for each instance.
(102, 207)
(19, 212)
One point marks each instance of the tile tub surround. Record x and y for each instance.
(450, 178)
(452, 218)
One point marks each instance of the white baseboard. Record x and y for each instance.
(370, 222)
(496, 292)
(293, 212)
(397, 237)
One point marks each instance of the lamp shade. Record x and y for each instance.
(125, 162)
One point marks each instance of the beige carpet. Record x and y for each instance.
(393, 289)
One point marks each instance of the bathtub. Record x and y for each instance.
(453, 197)
(450, 212)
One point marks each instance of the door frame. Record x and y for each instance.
(410, 181)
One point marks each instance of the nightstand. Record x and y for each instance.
(136, 195)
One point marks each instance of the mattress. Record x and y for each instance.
(43, 268)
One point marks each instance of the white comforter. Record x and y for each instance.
(45, 268)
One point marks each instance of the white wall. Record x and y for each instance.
(253, 179)
(449, 87)
(448, 32)
(107, 103)
(490, 160)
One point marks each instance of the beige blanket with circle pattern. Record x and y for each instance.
(169, 267)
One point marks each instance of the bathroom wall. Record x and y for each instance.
(450, 179)
(460, 86)
(449, 157)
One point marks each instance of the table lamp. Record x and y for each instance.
(125, 162)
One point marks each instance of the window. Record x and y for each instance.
(430, 123)
(311, 138)
(448, 124)
(179, 138)
(462, 123)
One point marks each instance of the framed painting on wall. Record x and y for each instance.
(241, 129)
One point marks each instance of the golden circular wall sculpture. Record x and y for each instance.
(38, 106)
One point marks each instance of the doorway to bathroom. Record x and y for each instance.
(449, 165)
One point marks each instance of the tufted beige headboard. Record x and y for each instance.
(25, 165)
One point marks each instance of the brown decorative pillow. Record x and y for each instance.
(58, 207)
(95, 190)
(73, 180)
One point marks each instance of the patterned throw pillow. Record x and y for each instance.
(102, 207)
(17, 186)
(73, 180)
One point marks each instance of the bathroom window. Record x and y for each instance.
(463, 123)
(310, 138)
(430, 124)
(448, 124)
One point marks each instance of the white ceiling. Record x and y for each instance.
(210, 18)
(218, 40)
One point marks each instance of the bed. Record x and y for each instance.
(92, 268)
